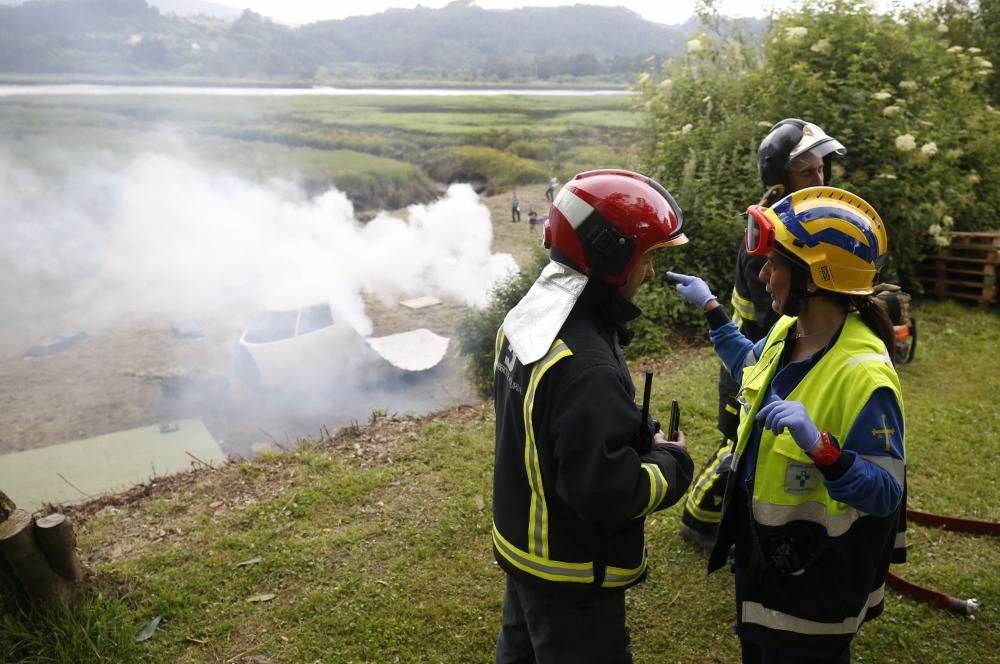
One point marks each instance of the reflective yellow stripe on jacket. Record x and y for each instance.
(742, 309)
(536, 560)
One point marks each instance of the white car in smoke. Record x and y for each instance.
(296, 347)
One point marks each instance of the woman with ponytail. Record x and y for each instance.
(818, 487)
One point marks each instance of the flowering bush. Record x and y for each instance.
(911, 108)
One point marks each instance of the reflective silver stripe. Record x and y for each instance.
(869, 357)
(617, 576)
(705, 482)
(552, 570)
(901, 542)
(574, 208)
(657, 488)
(895, 467)
(768, 514)
(759, 614)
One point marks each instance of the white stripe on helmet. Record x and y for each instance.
(574, 208)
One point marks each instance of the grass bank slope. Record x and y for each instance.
(373, 545)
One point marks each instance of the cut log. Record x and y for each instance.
(17, 545)
(12, 595)
(55, 537)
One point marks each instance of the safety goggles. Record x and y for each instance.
(759, 236)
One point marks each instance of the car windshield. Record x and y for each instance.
(272, 326)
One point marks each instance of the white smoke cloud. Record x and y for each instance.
(166, 236)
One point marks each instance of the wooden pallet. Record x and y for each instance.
(964, 270)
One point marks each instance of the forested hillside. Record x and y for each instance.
(460, 41)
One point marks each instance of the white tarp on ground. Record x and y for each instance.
(73, 472)
(415, 350)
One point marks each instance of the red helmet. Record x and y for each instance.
(603, 221)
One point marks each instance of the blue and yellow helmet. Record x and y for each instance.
(838, 236)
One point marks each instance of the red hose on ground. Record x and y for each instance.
(937, 599)
(955, 523)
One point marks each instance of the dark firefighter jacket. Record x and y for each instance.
(574, 476)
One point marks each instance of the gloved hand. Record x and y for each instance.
(778, 415)
(692, 289)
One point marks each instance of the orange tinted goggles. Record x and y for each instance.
(759, 236)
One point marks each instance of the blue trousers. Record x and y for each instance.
(545, 628)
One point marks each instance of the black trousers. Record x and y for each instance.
(548, 628)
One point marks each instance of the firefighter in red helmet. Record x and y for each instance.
(577, 469)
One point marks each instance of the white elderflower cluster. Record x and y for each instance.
(905, 142)
(890, 110)
(687, 128)
(881, 96)
(910, 86)
(796, 33)
(929, 149)
(695, 46)
(822, 46)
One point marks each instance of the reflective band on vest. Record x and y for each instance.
(756, 613)
(538, 518)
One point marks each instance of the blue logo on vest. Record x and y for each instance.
(800, 477)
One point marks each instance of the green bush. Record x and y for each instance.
(910, 107)
(500, 170)
(478, 329)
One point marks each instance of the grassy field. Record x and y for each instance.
(373, 545)
(382, 151)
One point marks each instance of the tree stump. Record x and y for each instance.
(12, 597)
(55, 537)
(29, 564)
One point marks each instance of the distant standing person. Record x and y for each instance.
(550, 191)
(515, 208)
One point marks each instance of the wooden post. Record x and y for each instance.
(17, 545)
(55, 537)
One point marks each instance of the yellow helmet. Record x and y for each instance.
(837, 235)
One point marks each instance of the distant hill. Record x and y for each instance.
(459, 42)
(181, 8)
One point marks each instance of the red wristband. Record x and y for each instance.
(826, 451)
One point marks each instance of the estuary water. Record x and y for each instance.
(316, 91)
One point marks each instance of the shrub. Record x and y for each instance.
(911, 110)
(478, 329)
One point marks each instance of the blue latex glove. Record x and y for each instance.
(692, 289)
(778, 415)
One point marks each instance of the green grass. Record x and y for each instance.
(376, 544)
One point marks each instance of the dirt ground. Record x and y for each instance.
(136, 372)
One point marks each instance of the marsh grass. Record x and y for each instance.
(381, 151)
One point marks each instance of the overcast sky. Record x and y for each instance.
(661, 11)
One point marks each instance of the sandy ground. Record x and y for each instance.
(136, 372)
